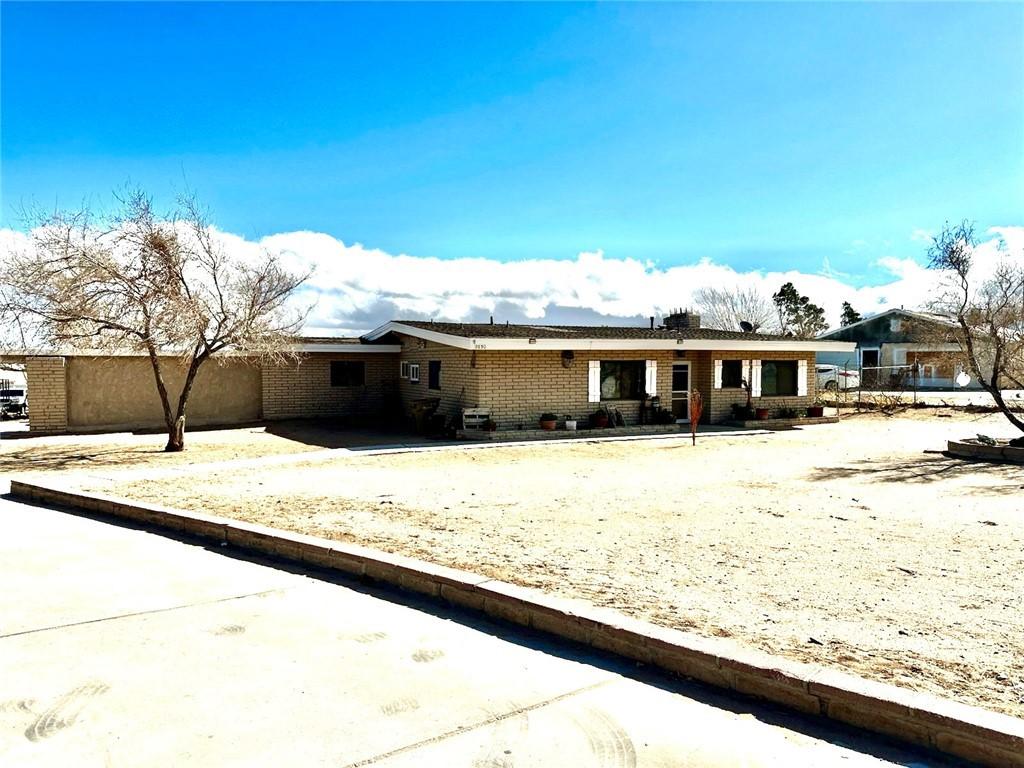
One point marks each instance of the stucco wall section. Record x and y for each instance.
(303, 389)
(120, 392)
(47, 394)
(459, 379)
(720, 404)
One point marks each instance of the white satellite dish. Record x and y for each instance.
(962, 379)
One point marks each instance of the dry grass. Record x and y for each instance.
(855, 545)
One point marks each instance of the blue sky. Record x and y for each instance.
(765, 137)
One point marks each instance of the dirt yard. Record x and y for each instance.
(855, 545)
(112, 453)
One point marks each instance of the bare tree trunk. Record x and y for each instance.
(991, 387)
(177, 434)
(175, 441)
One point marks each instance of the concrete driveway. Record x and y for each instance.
(120, 647)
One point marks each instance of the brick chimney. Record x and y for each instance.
(681, 319)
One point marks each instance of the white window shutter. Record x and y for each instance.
(718, 374)
(801, 377)
(652, 378)
(594, 382)
(746, 373)
(755, 378)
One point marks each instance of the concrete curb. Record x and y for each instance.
(953, 729)
(972, 449)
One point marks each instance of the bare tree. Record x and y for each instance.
(726, 308)
(989, 312)
(160, 285)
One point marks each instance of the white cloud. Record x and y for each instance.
(355, 288)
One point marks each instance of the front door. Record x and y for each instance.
(681, 391)
(869, 372)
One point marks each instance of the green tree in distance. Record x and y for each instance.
(849, 316)
(798, 315)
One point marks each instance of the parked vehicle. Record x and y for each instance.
(13, 404)
(832, 377)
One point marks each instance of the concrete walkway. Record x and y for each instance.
(119, 647)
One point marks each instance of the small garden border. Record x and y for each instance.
(975, 449)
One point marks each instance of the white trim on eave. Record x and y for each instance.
(738, 345)
(578, 344)
(334, 349)
(349, 348)
(461, 342)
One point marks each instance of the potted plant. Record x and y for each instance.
(490, 426)
(570, 423)
(816, 411)
(761, 414)
(599, 418)
(787, 413)
(548, 421)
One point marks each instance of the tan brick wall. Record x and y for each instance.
(518, 386)
(459, 379)
(47, 394)
(303, 389)
(720, 403)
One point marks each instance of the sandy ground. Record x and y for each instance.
(78, 453)
(108, 453)
(855, 545)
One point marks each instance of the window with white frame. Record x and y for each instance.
(414, 373)
(403, 369)
(895, 324)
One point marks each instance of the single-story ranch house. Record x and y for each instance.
(514, 373)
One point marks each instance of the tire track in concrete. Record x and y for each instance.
(609, 743)
(64, 712)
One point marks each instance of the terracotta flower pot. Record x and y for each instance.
(549, 425)
(600, 421)
(762, 414)
(815, 411)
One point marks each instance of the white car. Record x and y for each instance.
(832, 377)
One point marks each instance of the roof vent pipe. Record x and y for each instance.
(652, 322)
